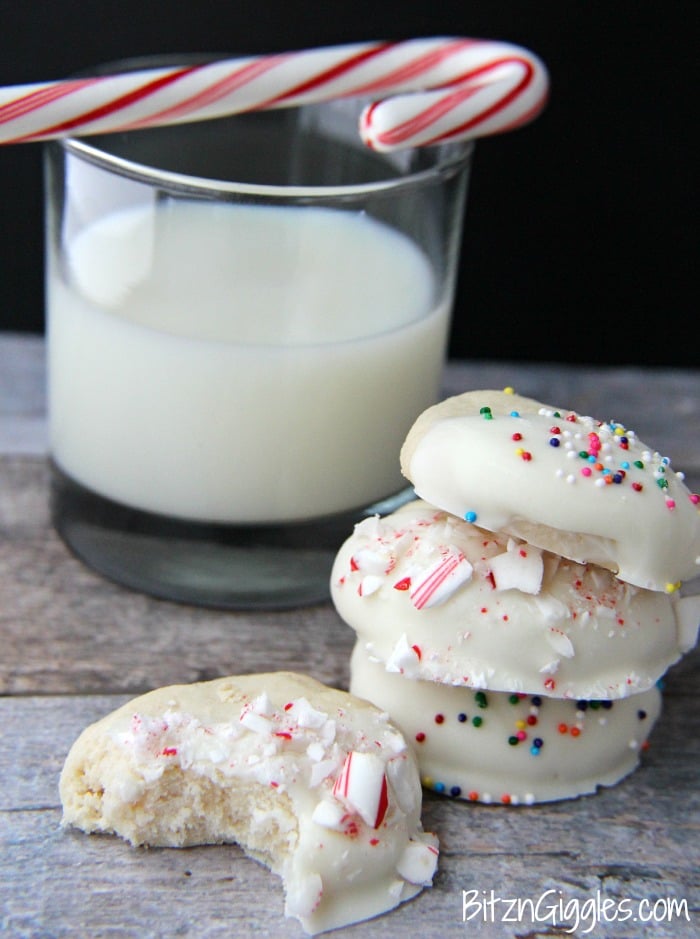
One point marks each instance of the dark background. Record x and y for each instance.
(578, 243)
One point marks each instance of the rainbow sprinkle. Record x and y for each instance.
(573, 729)
(600, 445)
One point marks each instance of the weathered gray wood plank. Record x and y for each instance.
(635, 842)
(22, 394)
(73, 646)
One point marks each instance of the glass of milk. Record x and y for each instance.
(244, 317)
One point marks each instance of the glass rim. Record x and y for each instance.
(187, 183)
(452, 158)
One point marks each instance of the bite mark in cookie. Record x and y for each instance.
(311, 781)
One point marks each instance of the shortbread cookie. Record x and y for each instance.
(313, 782)
(507, 748)
(439, 599)
(585, 489)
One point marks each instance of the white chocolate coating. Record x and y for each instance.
(513, 750)
(587, 490)
(439, 599)
(312, 782)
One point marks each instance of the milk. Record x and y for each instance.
(239, 363)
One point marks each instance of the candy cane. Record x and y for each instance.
(427, 91)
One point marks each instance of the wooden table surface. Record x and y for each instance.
(74, 646)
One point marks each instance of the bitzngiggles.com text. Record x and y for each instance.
(572, 914)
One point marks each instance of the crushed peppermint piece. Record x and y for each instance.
(362, 787)
(369, 585)
(255, 722)
(519, 567)
(418, 863)
(307, 716)
(322, 770)
(371, 561)
(441, 580)
(261, 704)
(561, 643)
(330, 814)
(404, 658)
(315, 751)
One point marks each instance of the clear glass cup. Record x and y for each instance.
(244, 317)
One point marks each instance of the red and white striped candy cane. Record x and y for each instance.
(427, 91)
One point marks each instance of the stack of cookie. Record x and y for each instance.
(515, 619)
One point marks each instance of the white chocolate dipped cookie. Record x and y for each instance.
(439, 599)
(585, 489)
(510, 749)
(313, 782)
